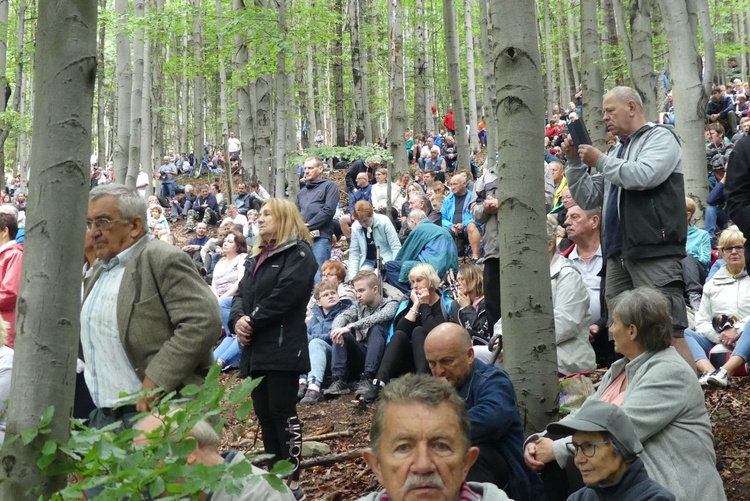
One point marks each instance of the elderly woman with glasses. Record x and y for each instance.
(660, 394)
(723, 314)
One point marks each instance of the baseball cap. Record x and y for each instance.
(598, 416)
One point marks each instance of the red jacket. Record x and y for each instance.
(11, 258)
(449, 123)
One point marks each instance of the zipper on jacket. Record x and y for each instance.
(281, 335)
(658, 218)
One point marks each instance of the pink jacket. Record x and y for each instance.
(11, 258)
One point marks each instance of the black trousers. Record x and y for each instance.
(492, 291)
(490, 466)
(275, 402)
(404, 354)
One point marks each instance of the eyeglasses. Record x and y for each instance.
(738, 248)
(101, 223)
(588, 448)
(328, 275)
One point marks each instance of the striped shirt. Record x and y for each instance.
(108, 371)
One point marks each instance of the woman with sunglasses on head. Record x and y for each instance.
(726, 296)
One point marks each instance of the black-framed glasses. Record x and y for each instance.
(101, 223)
(587, 448)
(738, 248)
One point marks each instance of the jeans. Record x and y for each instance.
(700, 346)
(392, 272)
(714, 217)
(321, 248)
(228, 350)
(356, 357)
(225, 305)
(320, 354)
(167, 189)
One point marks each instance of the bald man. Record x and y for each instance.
(491, 401)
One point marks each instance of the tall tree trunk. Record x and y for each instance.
(699, 9)
(224, 118)
(549, 63)
(146, 122)
(528, 320)
(471, 80)
(312, 122)
(101, 141)
(338, 73)
(689, 93)
(420, 77)
(397, 101)
(359, 81)
(642, 52)
(198, 121)
(562, 60)
(592, 83)
(185, 94)
(572, 45)
(262, 124)
(5, 130)
(47, 337)
(454, 76)
(136, 97)
(488, 75)
(608, 14)
(124, 89)
(281, 111)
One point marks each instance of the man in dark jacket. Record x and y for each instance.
(720, 108)
(737, 190)
(243, 200)
(491, 401)
(317, 203)
(205, 209)
(641, 189)
(367, 166)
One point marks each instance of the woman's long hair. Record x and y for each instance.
(288, 223)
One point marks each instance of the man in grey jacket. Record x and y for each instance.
(640, 187)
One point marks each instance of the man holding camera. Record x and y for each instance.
(167, 173)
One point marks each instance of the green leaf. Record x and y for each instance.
(46, 418)
(190, 390)
(28, 436)
(244, 410)
(157, 487)
(282, 468)
(50, 447)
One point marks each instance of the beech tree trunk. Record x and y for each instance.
(398, 122)
(338, 74)
(136, 98)
(124, 89)
(471, 80)
(488, 75)
(553, 92)
(224, 108)
(244, 105)
(592, 83)
(642, 65)
(528, 320)
(281, 111)
(146, 160)
(572, 45)
(49, 302)
(185, 94)
(198, 120)
(454, 76)
(360, 88)
(101, 141)
(420, 67)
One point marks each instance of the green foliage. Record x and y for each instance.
(109, 458)
(349, 153)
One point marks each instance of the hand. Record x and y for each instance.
(729, 336)
(589, 155)
(568, 148)
(714, 117)
(530, 457)
(490, 205)
(144, 403)
(414, 296)
(244, 330)
(423, 294)
(593, 331)
(463, 299)
(337, 335)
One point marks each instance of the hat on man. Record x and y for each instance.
(598, 416)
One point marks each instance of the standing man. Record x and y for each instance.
(167, 173)
(148, 320)
(317, 203)
(641, 190)
(449, 122)
(234, 146)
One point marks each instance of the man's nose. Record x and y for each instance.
(423, 463)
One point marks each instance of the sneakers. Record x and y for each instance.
(365, 386)
(718, 378)
(338, 387)
(301, 390)
(312, 397)
(298, 493)
(372, 393)
(703, 378)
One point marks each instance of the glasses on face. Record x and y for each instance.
(738, 248)
(328, 275)
(587, 448)
(101, 223)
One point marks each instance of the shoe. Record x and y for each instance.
(298, 493)
(338, 387)
(312, 397)
(372, 394)
(703, 378)
(189, 230)
(718, 378)
(365, 386)
(301, 390)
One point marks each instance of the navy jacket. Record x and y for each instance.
(320, 324)
(493, 411)
(633, 485)
(317, 203)
(361, 194)
(724, 106)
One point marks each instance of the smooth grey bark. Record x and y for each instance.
(360, 88)
(101, 141)
(338, 74)
(642, 65)
(136, 97)
(124, 78)
(592, 83)
(223, 111)
(454, 76)
(198, 121)
(312, 122)
(146, 160)
(280, 138)
(471, 79)
(700, 9)
(185, 93)
(244, 105)
(562, 60)
(4, 131)
(420, 67)
(528, 321)
(689, 94)
(397, 101)
(553, 93)
(46, 344)
(573, 45)
(488, 75)
(262, 124)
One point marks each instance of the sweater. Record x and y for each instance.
(361, 317)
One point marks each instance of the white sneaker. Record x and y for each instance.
(718, 378)
(703, 378)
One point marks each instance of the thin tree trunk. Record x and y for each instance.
(124, 89)
(338, 73)
(454, 76)
(592, 83)
(562, 60)
(198, 121)
(642, 52)
(244, 105)
(47, 337)
(572, 45)
(146, 131)
(281, 111)
(398, 123)
(700, 9)
(224, 118)
(185, 93)
(488, 75)
(312, 123)
(101, 141)
(5, 131)
(549, 63)
(136, 98)
(528, 321)
(471, 80)
(420, 78)
(359, 81)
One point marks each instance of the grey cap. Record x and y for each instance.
(598, 416)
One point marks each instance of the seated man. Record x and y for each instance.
(206, 453)
(359, 335)
(608, 459)
(205, 209)
(450, 154)
(420, 443)
(720, 108)
(436, 164)
(242, 199)
(496, 428)
(716, 217)
(258, 194)
(180, 206)
(233, 215)
(427, 243)
(367, 166)
(194, 246)
(716, 144)
(326, 308)
(364, 192)
(418, 201)
(457, 218)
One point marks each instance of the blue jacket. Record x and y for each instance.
(699, 245)
(449, 208)
(495, 420)
(361, 194)
(320, 324)
(317, 203)
(633, 485)
(724, 106)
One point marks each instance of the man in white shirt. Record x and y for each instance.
(233, 145)
(233, 215)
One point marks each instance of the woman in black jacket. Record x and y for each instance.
(268, 316)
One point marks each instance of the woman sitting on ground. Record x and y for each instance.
(659, 393)
(471, 314)
(227, 275)
(370, 232)
(156, 218)
(727, 294)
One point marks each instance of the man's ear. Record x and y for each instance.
(192, 458)
(136, 224)
(471, 456)
(372, 461)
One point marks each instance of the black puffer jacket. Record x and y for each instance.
(275, 299)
